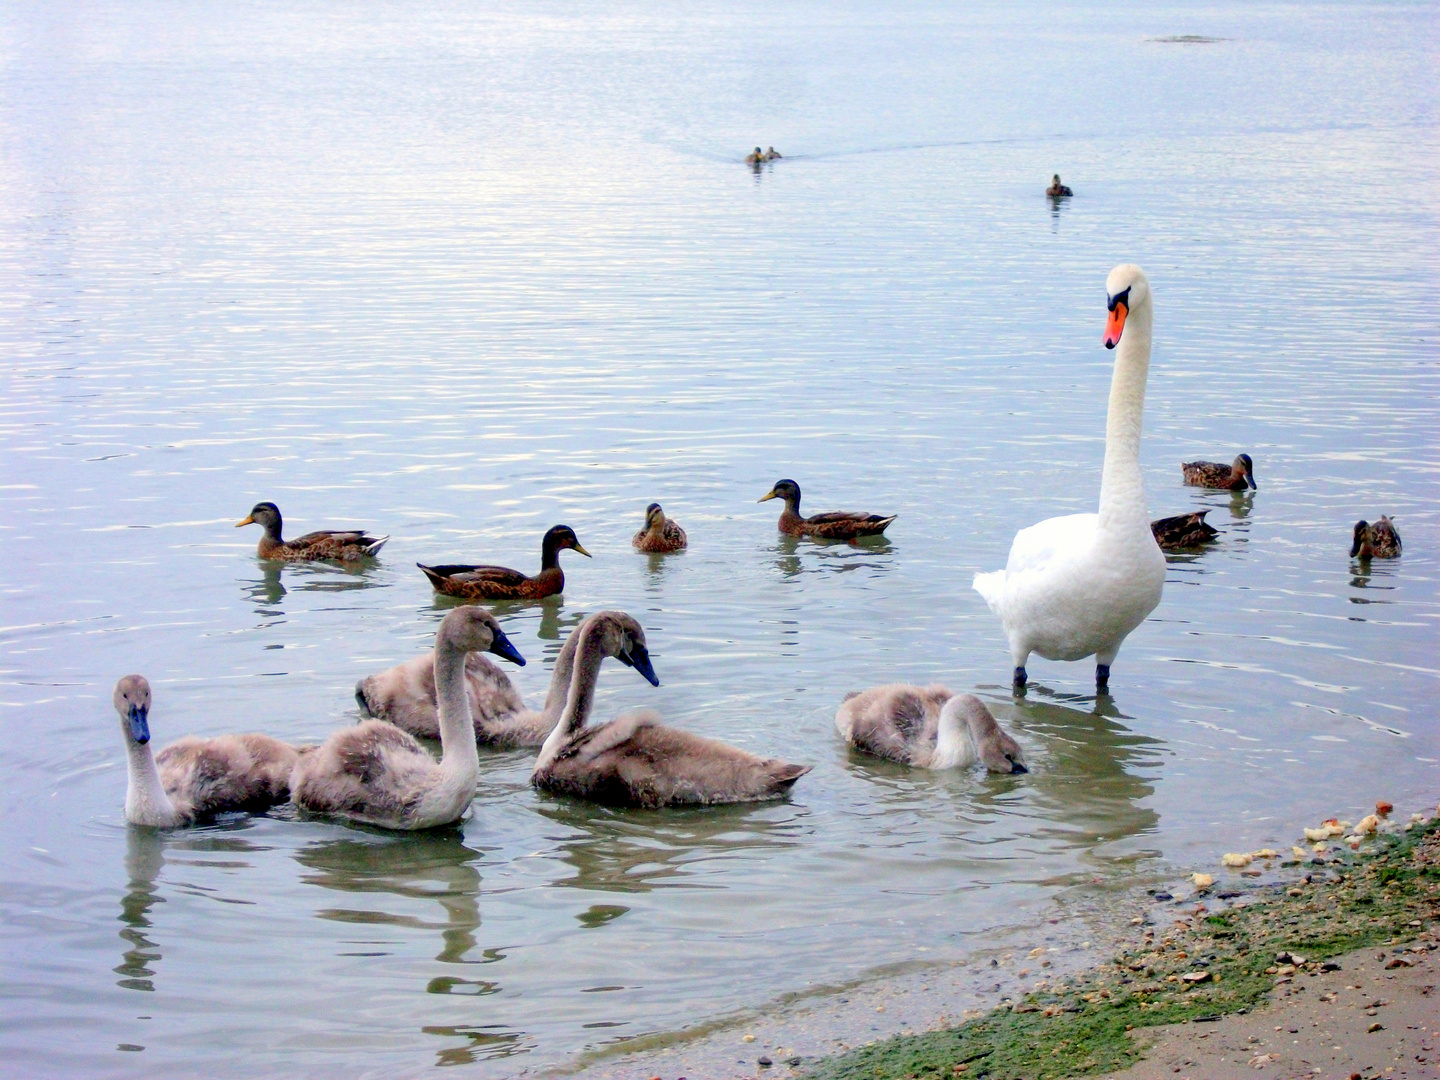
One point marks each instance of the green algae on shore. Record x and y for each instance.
(1204, 966)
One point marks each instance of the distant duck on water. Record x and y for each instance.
(1183, 531)
(1236, 476)
(836, 525)
(757, 158)
(345, 545)
(660, 534)
(476, 582)
(1376, 540)
(1057, 189)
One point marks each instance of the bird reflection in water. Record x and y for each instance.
(433, 865)
(145, 856)
(1087, 784)
(638, 851)
(1373, 580)
(267, 592)
(831, 556)
(1241, 503)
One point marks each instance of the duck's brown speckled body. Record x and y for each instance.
(472, 582)
(837, 525)
(660, 534)
(344, 545)
(1376, 540)
(1236, 476)
(1183, 531)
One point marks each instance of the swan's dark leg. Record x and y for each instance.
(1020, 678)
(1102, 678)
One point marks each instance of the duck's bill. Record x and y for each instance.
(249, 520)
(766, 498)
(502, 648)
(139, 725)
(582, 551)
(639, 659)
(1115, 325)
(1251, 481)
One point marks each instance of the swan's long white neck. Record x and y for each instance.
(458, 756)
(1122, 492)
(588, 655)
(146, 802)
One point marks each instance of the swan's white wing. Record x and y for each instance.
(1051, 542)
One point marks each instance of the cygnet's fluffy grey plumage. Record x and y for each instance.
(195, 778)
(377, 774)
(634, 760)
(927, 727)
(405, 696)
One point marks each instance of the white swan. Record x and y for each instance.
(377, 774)
(634, 760)
(1076, 586)
(404, 695)
(195, 778)
(927, 727)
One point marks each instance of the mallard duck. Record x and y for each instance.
(660, 533)
(771, 154)
(1057, 189)
(1075, 586)
(347, 545)
(502, 583)
(376, 774)
(1214, 474)
(1183, 531)
(404, 695)
(196, 778)
(837, 525)
(757, 158)
(927, 727)
(1376, 540)
(634, 760)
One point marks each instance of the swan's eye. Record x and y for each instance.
(1122, 297)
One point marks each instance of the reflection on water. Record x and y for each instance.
(435, 865)
(1089, 786)
(636, 851)
(481, 1043)
(144, 859)
(796, 555)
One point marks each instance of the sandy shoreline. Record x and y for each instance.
(902, 1024)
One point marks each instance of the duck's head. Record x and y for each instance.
(1246, 468)
(1055, 179)
(473, 629)
(1126, 288)
(561, 537)
(788, 490)
(132, 702)
(264, 514)
(654, 516)
(1361, 539)
(622, 638)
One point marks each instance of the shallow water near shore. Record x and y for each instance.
(459, 275)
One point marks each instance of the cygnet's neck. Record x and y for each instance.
(458, 755)
(146, 802)
(1122, 492)
(588, 656)
(953, 745)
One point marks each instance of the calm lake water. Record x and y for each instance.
(460, 272)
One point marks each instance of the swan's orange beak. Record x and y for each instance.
(1115, 325)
